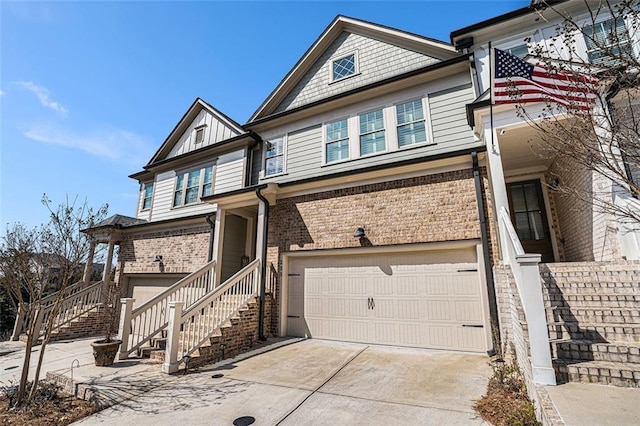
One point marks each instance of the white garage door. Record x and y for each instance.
(146, 288)
(426, 299)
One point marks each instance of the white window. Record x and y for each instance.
(199, 134)
(520, 50)
(411, 127)
(192, 185)
(372, 133)
(274, 157)
(337, 141)
(344, 67)
(607, 40)
(148, 196)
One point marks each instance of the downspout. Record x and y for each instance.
(212, 232)
(263, 266)
(484, 235)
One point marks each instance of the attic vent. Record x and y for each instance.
(200, 134)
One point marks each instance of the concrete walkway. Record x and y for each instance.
(312, 382)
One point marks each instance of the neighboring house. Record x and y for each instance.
(366, 197)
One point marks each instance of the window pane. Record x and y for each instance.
(274, 165)
(148, 193)
(275, 147)
(337, 151)
(192, 196)
(522, 226)
(531, 196)
(411, 133)
(207, 189)
(193, 179)
(344, 67)
(517, 198)
(535, 221)
(372, 143)
(520, 51)
(410, 112)
(207, 185)
(371, 122)
(610, 34)
(177, 198)
(337, 130)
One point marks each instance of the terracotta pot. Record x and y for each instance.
(105, 352)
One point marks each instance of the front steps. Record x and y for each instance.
(235, 336)
(88, 324)
(593, 314)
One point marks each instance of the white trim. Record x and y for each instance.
(325, 142)
(384, 130)
(427, 134)
(263, 172)
(185, 173)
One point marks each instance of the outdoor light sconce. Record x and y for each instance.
(158, 258)
(359, 233)
(554, 183)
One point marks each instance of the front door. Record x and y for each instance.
(529, 217)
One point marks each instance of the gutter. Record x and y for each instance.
(263, 266)
(484, 235)
(212, 225)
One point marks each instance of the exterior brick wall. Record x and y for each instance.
(439, 207)
(183, 250)
(584, 233)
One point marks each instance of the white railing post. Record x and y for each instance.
(534, 312)
(170, 364)
(125, 325)
(38, 322)
(17, 327)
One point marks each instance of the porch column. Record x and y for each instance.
(498, 185)
(218, 240)
(260, 239)
(88, 267)
(106, 273)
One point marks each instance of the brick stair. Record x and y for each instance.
(236, 335)
(85, 325)
(593, 314)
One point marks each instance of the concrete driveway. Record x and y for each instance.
(316, 382)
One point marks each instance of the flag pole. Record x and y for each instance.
(491, 71)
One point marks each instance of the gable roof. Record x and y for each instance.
(410, 41)
(191, 114)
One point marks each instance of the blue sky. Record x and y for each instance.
(89, 90)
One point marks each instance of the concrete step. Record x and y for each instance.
(587, 350)
(147, 351)
(598, 315)
(593, 288)
(603, 372)
(628, 333)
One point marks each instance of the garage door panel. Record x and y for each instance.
(417, 301)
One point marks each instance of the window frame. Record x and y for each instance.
(384, 130)
(283, 155)
(356, 67)
(630, 41)
(425, 119)
(146, 185)
(326, 142)
(183, 177)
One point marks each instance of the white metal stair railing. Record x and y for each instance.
(77, 299)
(190, 329)
(139, 326)
(527, 277)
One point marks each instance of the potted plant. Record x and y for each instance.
(106, 349)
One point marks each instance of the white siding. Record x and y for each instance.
(229, 172)
(163, 200)
(215, 131)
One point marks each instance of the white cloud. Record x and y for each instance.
(2, 92)
(42, 93)
(109, 143)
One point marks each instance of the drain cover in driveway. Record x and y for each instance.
(244, 421)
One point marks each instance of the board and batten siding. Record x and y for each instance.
(215, 131)
(317, 84)
(449, 133)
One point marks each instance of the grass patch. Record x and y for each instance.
(50, 406)
(506, 402)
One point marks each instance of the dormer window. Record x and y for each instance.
(199, 134)
(344, 67)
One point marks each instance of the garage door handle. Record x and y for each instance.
(293, 316)
(370, 303)
(473, 325)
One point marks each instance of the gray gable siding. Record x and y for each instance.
(214, 131)
(449, 129)
(377, 60)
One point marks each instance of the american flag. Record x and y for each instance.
(517, 81)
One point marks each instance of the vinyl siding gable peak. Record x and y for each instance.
(310, 80)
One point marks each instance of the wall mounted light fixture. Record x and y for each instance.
(158, 258)
(359, 233)
(554, 183)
